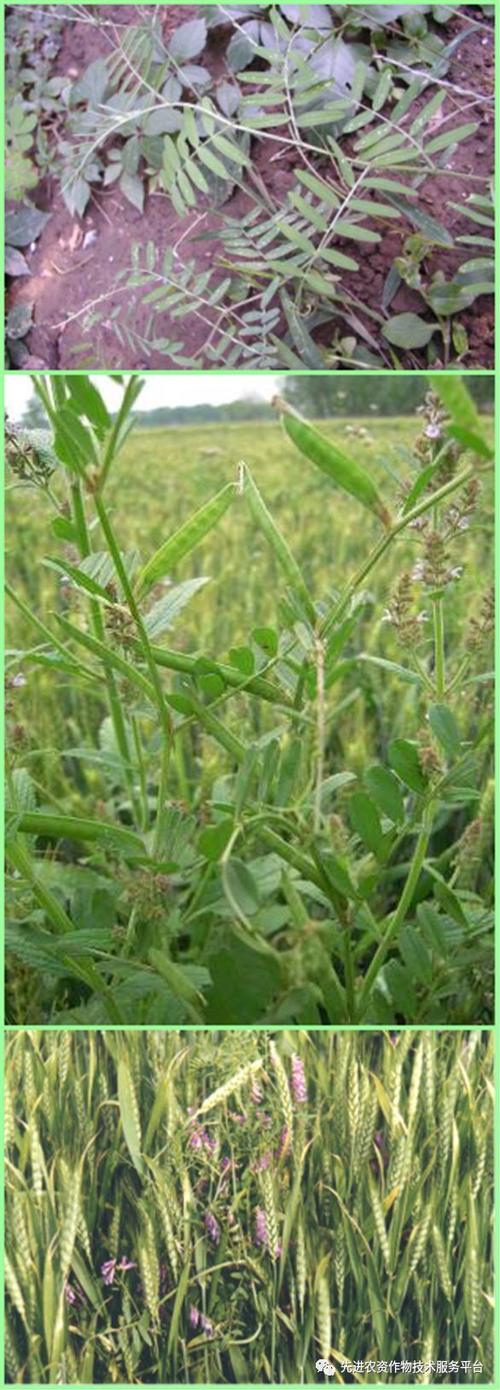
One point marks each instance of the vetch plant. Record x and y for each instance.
(337, 92)
(134, 1256)
(261, 839)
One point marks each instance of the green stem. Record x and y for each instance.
(403, 907)
(115, 708)
(163, 711)
(348, 970)
(439, 658)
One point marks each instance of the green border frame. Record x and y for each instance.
(6, 1031)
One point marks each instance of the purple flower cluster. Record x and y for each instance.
(212, 1226)
(201, 1139)
(299, 1084)
(198, 1319)
(109, 1268)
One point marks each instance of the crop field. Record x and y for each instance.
(250, 756)
(267, 187)
(232, 1208)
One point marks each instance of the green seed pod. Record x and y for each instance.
(339, 467)
(286, 560)
(185, 539)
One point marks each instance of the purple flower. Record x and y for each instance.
(206, 1326)
(264, 1161)
(225, 1163)
(201, 1139)
(194, 1316)
(212, 1226)
(299, 1086)
(260, 1227)
(69, 1294)
(256, 1092)
(109, 1268)
(18, 682)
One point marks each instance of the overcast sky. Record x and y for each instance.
(172, 389)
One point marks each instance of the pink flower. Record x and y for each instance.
(108, 1270)
(212, 1226)
(299, 1085)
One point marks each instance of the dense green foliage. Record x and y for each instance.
(282, 809)
(229, 1208)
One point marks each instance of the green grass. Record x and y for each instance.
(190, 909)
(363, 1160)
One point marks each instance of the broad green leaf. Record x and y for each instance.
(214, 838)
(449, 900)
(404, 758)
(386, 792)
(188, 40)
(415, 955)
(73, 442)
(444, 728)
(132, 186)
(408, 331)
(431, 922)
(88, 401)
(23, 225)
(240, 888)
(364, 819)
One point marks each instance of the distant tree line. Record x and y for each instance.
(323, 397)
(317, 396)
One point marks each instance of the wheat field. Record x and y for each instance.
(235, 1207)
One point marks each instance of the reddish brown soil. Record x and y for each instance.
(64, 280)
